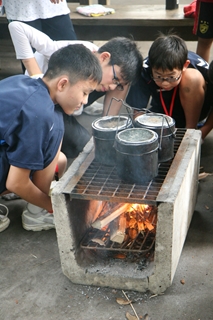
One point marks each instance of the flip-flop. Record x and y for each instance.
(4, 220)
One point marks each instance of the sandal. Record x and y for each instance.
(4, 220)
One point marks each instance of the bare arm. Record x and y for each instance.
(192, 94)
(31, 66)
(18, 181)
(35, 191)
(25, 37)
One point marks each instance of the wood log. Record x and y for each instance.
(109, 216)
(118, 229)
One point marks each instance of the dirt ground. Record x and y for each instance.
(34, 287)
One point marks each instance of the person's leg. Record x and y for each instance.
(35, 218)
(204, 48)
(203, 28)
(75, 137)
(43, 178)
(62, 165)
(208, 125)
(192, 94)
(59, 28)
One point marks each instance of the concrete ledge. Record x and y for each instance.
(142, 22)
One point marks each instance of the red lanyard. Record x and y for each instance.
(171, 104)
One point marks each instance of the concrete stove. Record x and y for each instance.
(76, 207)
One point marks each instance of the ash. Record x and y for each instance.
(126, 264)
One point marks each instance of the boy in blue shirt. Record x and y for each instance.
(31, 127)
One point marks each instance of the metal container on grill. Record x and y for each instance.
(164, 126)
(104, 130)
(137, 155)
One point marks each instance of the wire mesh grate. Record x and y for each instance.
(101, 182)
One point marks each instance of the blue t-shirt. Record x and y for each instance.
(30, 124)
(140, 93)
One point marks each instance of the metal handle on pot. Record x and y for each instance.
(128, 108)
(129, 114)
(145, 111)
(161, 133)
(126, 105)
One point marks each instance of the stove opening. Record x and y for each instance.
(123, 233)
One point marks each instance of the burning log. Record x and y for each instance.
(109, 216)
(118, 229)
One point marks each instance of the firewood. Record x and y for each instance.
(132, 233)
(109, 216)
(117, 229)
(149, 225)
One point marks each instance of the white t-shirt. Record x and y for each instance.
(28, 10)
(25, 37)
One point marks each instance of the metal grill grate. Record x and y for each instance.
(142, 243)
(101, 182)
(100, 239)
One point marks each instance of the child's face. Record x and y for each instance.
(72, 97)
(111, 78)
(166, 80)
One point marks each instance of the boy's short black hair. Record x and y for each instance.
(77, 62)
(125, 54)
(168, 52)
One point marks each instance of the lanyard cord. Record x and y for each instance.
(171, 104)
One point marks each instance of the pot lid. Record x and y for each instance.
(111, 123)
(155, 120)
(137, 135)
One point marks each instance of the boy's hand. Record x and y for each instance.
(54, 1)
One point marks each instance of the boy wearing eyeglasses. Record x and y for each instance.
(120, 60)
(177, 81)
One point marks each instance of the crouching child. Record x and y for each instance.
(32, 128)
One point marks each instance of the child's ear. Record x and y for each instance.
(186, 64)
(62, 83)
(105, 56)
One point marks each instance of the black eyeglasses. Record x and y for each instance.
(115, 80)
(168, 79)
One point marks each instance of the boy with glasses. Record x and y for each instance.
(177, 81)
(120, 60)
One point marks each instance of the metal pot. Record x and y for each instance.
(164, 126)
(137, 155)
(104, 130)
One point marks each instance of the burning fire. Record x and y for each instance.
(127, 221)
(137, 217)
